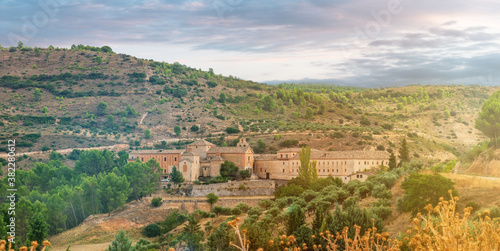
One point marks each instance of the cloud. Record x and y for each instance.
(445, 41)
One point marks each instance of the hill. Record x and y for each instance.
(90, 97)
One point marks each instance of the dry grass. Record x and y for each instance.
(450, 231)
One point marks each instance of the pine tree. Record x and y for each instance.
(392, 162)
(121, 243)
(38, 228)
(176, 176)
(404, 152)
(489, 118)
(318, 221)
(296, 218)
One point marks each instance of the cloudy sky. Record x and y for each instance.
(346, 42)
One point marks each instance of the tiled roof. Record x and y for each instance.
(230, 149)
(217, 158)
(157, 151)
(265, 157)
(201, 142)
(347, 155)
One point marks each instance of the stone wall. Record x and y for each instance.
(235, 188)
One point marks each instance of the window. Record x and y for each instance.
(323, 170)
(283, 170)
(142, 159)
(165, 159)
(175, 158)
(283, 163)
(361, 175)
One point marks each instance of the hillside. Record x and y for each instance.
(92, 97)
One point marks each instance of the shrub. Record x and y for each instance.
(418, 186)
(232, 130)
(381, 211)
(265, 203)
(243, 207)
(236, 211)
(152, 230)
(156, 202)
(254, 211)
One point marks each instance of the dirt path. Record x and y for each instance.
(143, 117)
(84, 247)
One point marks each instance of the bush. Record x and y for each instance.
(194, 128)
(381, 211)
(243, 207)
(265, 203)
(232, 130)
(381, 191)
(236, 211)
(156, 202)
(254, 211)
(152, 230)
(245, 174)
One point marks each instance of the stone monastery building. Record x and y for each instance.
(203, 159)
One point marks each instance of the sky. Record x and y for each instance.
(364, 43)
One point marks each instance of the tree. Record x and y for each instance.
(177, 130)
(245, 174)
(38, 228)
(114, 191)
(37, 51)
(307, 170)
(489, 118)
(424, 189)
(222, 98)
(296, 218)
(93, 162)
(102, 108)
(192, 234)
(152, 230)
(106, 49)
(228, 169)
(156, 202)
(261, 147)
(212, 199)
(392, 162)
(194, 128)
(122, 242)
(37, 94)
(45, 110)
(176, 176)
(309, 113)
(143, 179)
(404, 152)
(147, 134)
(3, 230)
(268, 103)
